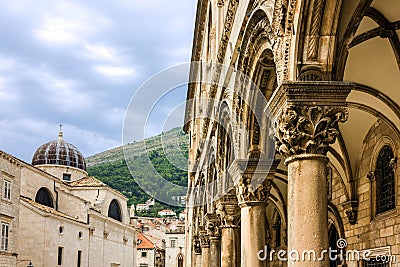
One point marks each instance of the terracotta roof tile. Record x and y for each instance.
(48, 209)
(145, 242)
(89, 181)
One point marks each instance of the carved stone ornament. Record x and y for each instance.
(252, 179)
(196, 245)
(247, 193)
(204, 239)
(351, 210)
(351, 216)
(308, 129)
(212, 229)
(228, 215)
(305, 115)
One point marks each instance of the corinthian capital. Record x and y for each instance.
(307, 129)
(305, 116)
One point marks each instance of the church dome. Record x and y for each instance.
(59, 152)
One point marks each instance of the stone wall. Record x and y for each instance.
(10, 170)
(378, 233)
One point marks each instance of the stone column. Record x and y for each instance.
(196, 262)
(215, 251)
(305, 118)
(229, 213)
(213, 231)
(252, 190)
(205, 249)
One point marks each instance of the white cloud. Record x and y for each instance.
(68, 22)
(100, 52)
(115, 71)
(63, 94)
(59, 30)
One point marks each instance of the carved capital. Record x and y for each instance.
(247, 193)
(228, 211)
(196, 244)
(253, 179)
(212, 225)
(307, 129)
(204, 239)
(351, 210)
(305, 116)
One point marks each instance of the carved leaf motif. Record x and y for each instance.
(308, 129)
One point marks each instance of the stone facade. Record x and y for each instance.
(175, 248)
(10, 173)
(50, 221)
(81, 209)
(294, 133)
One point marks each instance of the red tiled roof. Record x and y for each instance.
(48, 209)
(89, 181)
(145, 242)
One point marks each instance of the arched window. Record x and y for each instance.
(43, 197)
(114, 210)
(384, 175)
(180, 260)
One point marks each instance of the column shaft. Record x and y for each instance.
(230, 247)
(253, 227)
(197, 260)
(215, 252)
(205, 260)
(307, 209)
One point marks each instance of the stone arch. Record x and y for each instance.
(228, 145)
(44, 197)
(114, 210)
(277, 215)
(335, 230)
(256, 62)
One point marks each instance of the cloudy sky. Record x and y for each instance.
(79, 63)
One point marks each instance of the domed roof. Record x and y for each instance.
(59, 152)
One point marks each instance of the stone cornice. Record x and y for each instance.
(256, 169)
(330, 93)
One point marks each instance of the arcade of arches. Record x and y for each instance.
(303, 153)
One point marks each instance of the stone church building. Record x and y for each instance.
(54, 214)
(293, 116)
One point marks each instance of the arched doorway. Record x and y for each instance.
(333, 236)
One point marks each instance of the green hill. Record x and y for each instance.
(164, 154)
